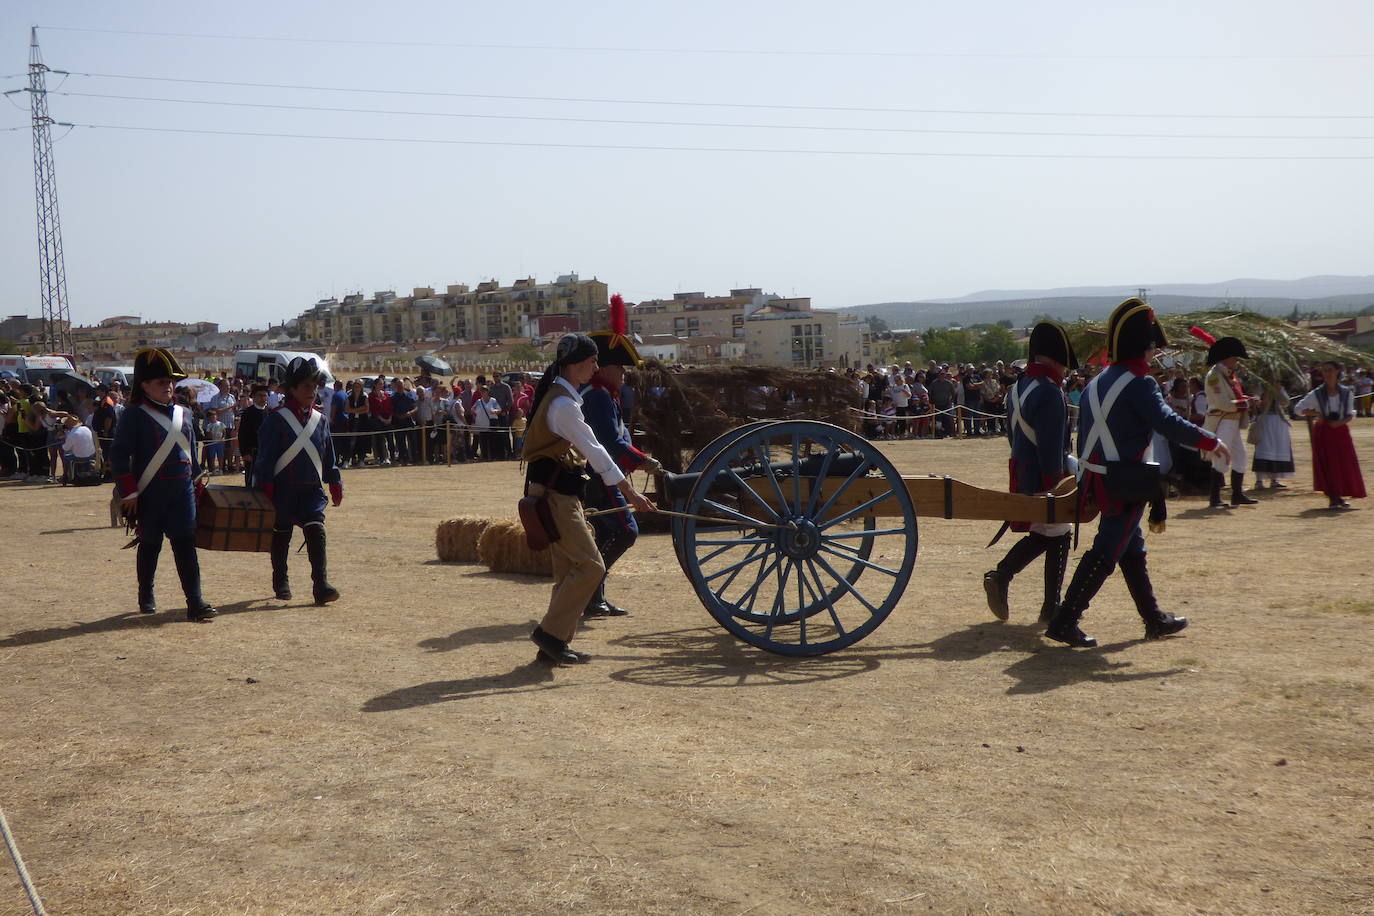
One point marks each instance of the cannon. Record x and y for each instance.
(800, 537)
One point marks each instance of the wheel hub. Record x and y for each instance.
(800, 539)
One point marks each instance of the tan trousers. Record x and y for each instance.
(577, 566)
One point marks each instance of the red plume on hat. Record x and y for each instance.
(1202, 335)
(618, 322)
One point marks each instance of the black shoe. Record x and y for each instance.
(147, 604)
(200, 610)
(1070, 635)
(556, 649)
(1240, 499)
(282, 592)
(324, 594)
(996, 588)
(1164, 625)
(605, 609)
(1218, 504)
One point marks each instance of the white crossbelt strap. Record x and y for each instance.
(1099, 433)
(174, 437)
(302, 443)
(1020, 421)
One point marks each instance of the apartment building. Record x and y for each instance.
(775, 331)
(490, 311)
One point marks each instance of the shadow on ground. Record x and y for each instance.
(535, 675)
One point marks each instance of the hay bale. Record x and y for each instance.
(502, 547)
(456, 539)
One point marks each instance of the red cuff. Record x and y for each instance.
(128, 483)
(1207, 444)
(1050, 481)
(632, 459)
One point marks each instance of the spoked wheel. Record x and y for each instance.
(781, 571)
(698, 463)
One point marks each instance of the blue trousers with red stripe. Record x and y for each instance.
(615, 533)
(1119, 535)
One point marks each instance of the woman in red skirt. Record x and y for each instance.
(1335, 467)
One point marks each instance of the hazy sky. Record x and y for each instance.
(955, 147)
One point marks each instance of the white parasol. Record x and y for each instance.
(204, 389)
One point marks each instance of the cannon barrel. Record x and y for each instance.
(679, 486)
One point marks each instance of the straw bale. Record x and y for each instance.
(502, 547)
(456, 539)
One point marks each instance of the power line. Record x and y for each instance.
(743, 52)
(737, 105)
(715, 149)
(711, 124)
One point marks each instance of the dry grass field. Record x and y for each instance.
(400, 752)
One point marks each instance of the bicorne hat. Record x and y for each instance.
(1050, 339)
(1224, 348)
(614, 346)
(302, 369)
(1132, 330)
(155, 363)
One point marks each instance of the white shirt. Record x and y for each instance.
(79, 442)
(1321, 400)
(566, 422)
(483, 411)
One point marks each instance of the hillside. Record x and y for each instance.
(1094, 305)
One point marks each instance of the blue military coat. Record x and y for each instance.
(1138, 413)
(167, 503)
(298, 490)
(602, 413)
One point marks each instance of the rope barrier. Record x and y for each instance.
(19, 866)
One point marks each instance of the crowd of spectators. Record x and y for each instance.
(46, 436)
(381, 421)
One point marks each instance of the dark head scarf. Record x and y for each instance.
(572, 348)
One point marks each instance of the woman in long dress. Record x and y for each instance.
(1274, 443)
(1335, 467)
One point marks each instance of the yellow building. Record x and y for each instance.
(775, 331)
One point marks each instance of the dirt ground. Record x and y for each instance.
(400, 752)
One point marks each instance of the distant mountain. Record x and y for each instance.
(1306, 288)
(1312, 294)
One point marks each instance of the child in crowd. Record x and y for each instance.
(517, 428)
(889, 414)
(214, 442)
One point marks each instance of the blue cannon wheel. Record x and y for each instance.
(697, 465)
(781, 578)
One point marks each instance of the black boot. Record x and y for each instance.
(146, 565)
(319, 571)
(1137, 576)
(996, 581)
(1056, 564)
(188, 571)
(1238, 497)
(1092, 571)
(1218, 479)
(281, 551)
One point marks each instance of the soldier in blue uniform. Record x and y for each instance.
(616, 532)
(1118, 414)
(295, 462)
(154, 462)
(1038, 427)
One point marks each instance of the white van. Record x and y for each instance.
(108, 375)
(265, 365)
(36, 370)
